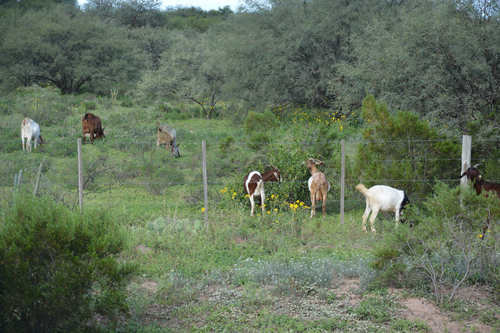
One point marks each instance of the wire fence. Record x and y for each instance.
(128, 175)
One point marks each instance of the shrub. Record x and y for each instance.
(404, 148)
(58, 268)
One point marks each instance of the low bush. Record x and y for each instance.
(58, 268)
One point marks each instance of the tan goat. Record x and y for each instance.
(318, 185)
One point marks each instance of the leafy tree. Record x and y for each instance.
(67, 49)
(153, 42)
(286, 52)
(404, 150)
(187, 72)
(439, 59)
(194, 17)
(58, 268)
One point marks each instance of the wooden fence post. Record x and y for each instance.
(80, 174)
(37, 183)
(342, 182)
(205, 182)
(466, 157)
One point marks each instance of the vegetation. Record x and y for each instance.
(58, 268)
(269, 83)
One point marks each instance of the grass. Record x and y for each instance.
(277, 271)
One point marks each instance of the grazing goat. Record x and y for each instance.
(31, 132)
(479, 183)
(92, 124)
(253, 183)
(318, 186)
(382, 198)
(168, 137)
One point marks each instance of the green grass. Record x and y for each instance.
(277, 271)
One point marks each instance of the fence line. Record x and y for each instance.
(178, 163)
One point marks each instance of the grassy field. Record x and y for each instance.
(276, 271)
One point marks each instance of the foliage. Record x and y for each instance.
(66, 49)
(296, 58)
(195, 18)
(58, 268)
(439, 64)
(260, 122)
(403, 149)
(446, 246)
(187, 72)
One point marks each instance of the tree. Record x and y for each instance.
(403, 149)
(153, 42)
(66, 49)
(188, 72)
(286, 52)
(439, 59)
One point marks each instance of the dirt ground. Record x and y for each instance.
(414, 309)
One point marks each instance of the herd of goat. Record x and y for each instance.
(378, 198)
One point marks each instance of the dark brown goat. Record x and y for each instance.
(92, 124)
(479, 183)
(253, 183)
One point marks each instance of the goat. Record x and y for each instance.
(167, 136)
(31, 132)
(92, 124)
(318, 185)
(479, 183)
(382, 198)
(253, 184)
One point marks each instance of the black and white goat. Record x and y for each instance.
(253, 184)
(318, 185)
(382, 198)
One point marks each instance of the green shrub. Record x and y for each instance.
(404, 148)
(260, 122)
(258, 141)
(90, 105)
(226, 144)
(58, 268)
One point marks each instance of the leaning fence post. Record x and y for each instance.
(37, 183)
(80, 174)
(205, 182)
(342, 182)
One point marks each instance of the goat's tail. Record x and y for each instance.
(362, 188)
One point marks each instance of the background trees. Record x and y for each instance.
(60, 46)
(438, 59)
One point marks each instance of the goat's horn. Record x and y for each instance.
(476, 165)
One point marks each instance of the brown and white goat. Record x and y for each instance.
(479, 183)
(253, 183)
(31, 132)
(318, 185)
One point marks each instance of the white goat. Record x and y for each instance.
(382, 198)
(318, 186)
(31, 132)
